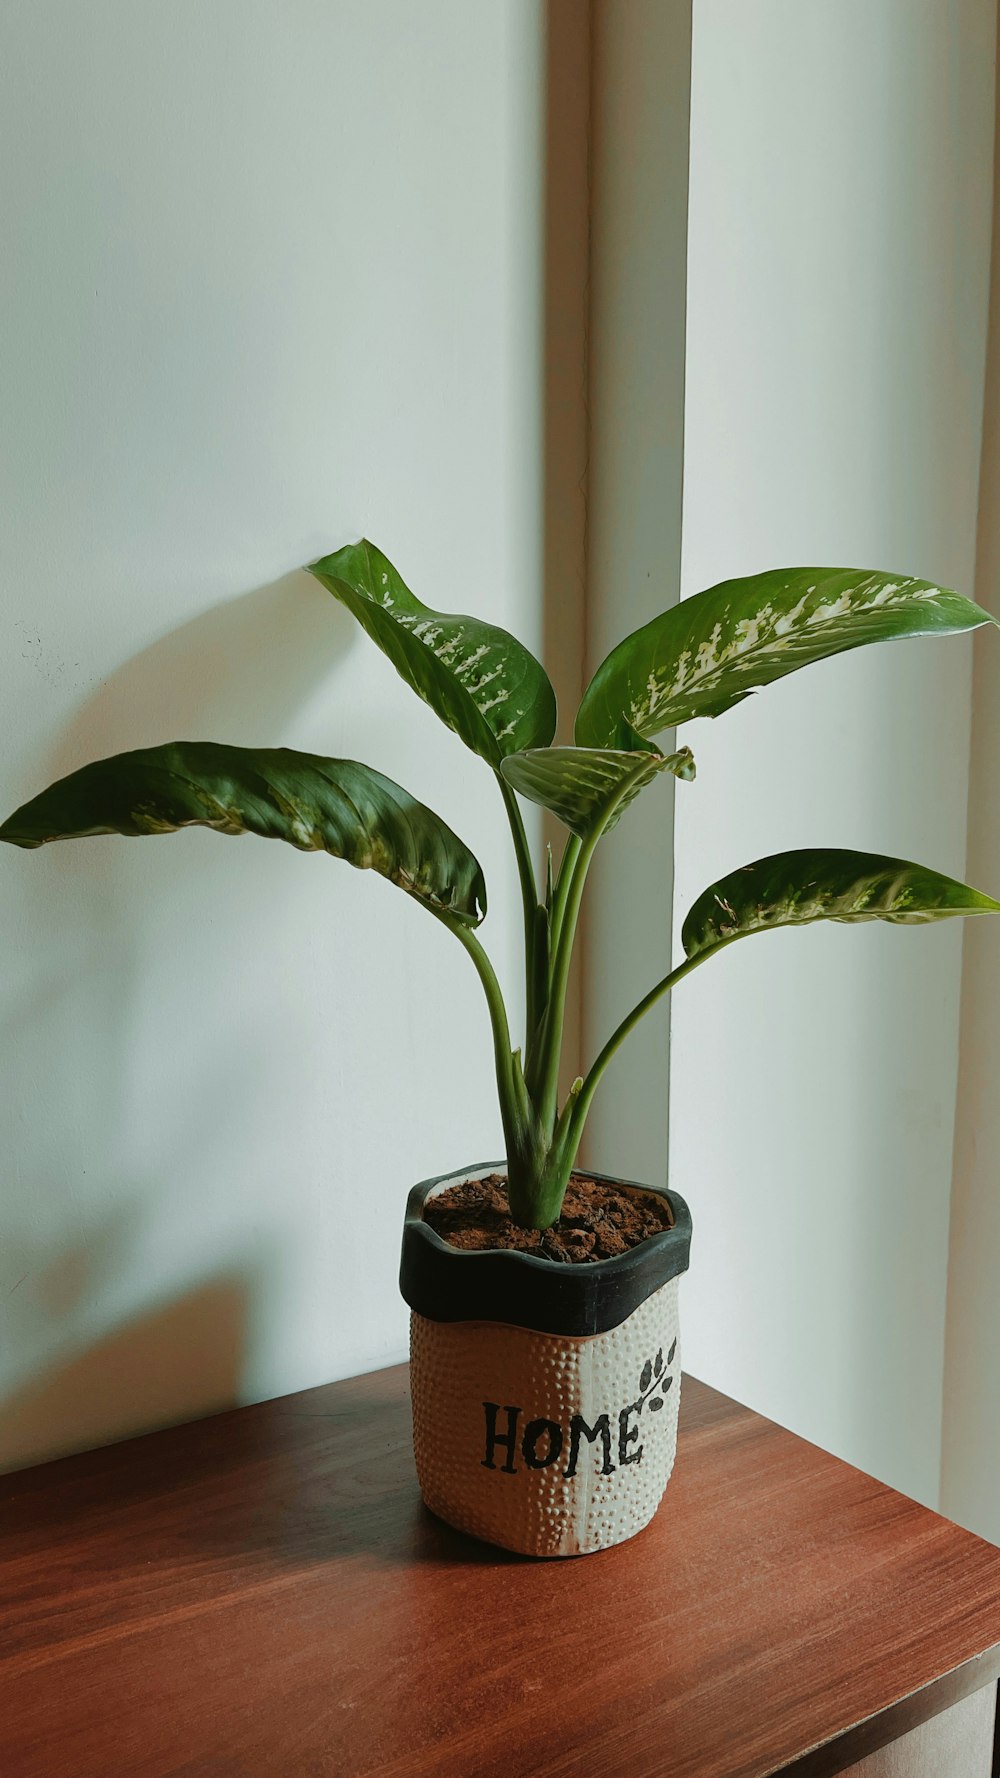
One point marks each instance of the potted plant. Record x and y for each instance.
(545, 1376)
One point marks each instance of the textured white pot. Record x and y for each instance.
(545, 1395)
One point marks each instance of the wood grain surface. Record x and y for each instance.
(262, 1593)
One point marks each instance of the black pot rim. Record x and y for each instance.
(445, 1283)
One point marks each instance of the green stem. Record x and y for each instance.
(569, 896)
(509, 1084)
(576, 1109)
(539, 1050)
(567, 864)
(529, 903)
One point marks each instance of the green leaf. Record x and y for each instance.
(797, 888)
(479, 679)
(709, 652)
(589, 787)
(316, 804)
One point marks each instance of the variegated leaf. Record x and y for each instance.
(798, 888)
(710, 651)
(589, 787)
(477, 678)
(316, 804)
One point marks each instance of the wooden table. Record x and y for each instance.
(263, 1593)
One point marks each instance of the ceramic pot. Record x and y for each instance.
(545, 1395)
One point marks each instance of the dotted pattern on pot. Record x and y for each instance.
(541, 1443)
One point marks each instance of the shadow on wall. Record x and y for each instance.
(84, 1358)
(177, 1362)
(235, 673)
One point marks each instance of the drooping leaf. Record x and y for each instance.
(316, 804)
(589, 787)
(709, 652)
(797, 888)
(482, 682)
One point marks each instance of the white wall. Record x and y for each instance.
(838, 258)
(271, 279)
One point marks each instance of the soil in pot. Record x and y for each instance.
(598, 1221)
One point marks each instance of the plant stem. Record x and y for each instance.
(576, 1109)
(569, 895)
(539, 1051)
(505, 1070)
(542, 1142)
(567, 863)
(529, 903)
(536, 1173)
